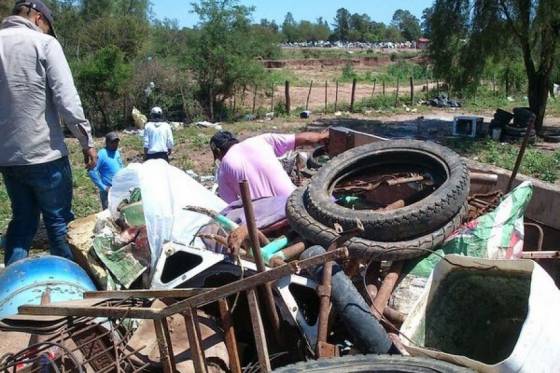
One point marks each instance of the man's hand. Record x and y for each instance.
(312, 138)
(324, 137)
(90, 158)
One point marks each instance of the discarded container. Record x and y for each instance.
(25, 281)
(489, 315)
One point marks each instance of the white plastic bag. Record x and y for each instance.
(166, 190)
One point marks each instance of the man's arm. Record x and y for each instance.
(96, 177)
(146, 142)
(312, 138)
(170, 142)
(67, 100)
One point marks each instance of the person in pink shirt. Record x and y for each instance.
(256, 160)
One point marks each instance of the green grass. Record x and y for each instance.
(544, 165)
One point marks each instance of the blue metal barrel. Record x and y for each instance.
(25, 281)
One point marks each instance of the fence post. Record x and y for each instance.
(397, 94)
(383, 87)
(411, 91)
(373, 90)
(254, 99)
(326, 94)
(287, 92)
(272, 98)
(353, 97)
(336, 98)
(308, 96)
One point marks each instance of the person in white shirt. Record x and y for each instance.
(158, 138)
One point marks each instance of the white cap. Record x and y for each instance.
(156, 110)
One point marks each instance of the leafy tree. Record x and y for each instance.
(223, 54)
(407, 24)
(426, 21)
(289, 28)
(467, 34)
(342, 24)
(5, 8)
(102, 79)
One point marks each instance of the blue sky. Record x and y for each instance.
(378, 10)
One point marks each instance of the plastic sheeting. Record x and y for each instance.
(165, 191)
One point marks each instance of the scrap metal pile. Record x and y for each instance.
(341, 274)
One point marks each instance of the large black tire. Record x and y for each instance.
(374, 363)
(417, 219)
(314, 232)
(502, 116)
(521, 116)
(515, 131)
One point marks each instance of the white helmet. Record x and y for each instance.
(156, 110)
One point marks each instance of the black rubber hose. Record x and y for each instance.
(367, 334)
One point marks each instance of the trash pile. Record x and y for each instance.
(442, 100)
(382, 251)
(503, 129)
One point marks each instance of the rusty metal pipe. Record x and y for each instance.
(404, 180)
(291, 252)
(521, 153)
(387, 286)
(484, 178)
(324, 290)
(393, 315)
(256, 248)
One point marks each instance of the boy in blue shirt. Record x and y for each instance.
(109, 162)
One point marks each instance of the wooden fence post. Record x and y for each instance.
(326, 94)
(273, 88)
(397, 94)
(383, 87)
(255, 99)
(336, 98)
(308, 96)
(287, 92)
(353, 97)
(411, 91)
(373, 90)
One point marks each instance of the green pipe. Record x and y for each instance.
(272, 248)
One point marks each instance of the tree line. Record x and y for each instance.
(518, 39)
(122, 56)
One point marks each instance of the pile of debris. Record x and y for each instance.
(382, 251)
(442, 100)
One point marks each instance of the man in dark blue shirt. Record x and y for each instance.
(109, 162)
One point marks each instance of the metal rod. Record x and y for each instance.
(386, 288)
(324, 290)
(541, 234)
(167, 336)
(256, 248)
(166, 361)
(125, 294)
(230, 339)
(197, 351)
(521, 152)
(484, 178)
(541, 254)
(258, 331)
